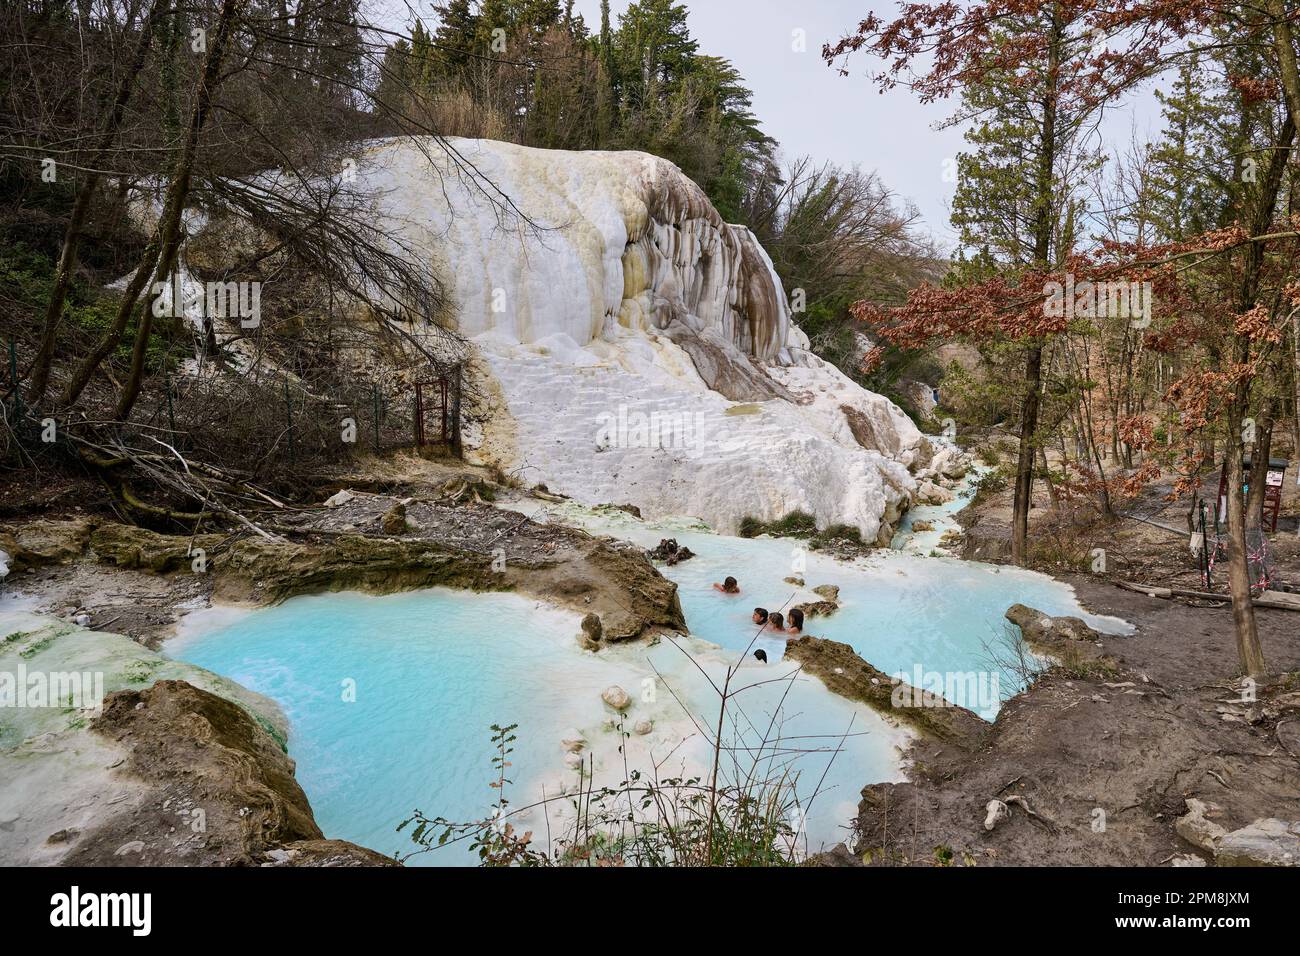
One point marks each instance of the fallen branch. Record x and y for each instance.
(1270, 599)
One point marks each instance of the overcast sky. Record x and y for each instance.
(809, 108)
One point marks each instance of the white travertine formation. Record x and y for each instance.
(642, 348)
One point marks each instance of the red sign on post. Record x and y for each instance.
(1272, 503)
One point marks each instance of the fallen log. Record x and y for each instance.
(1277, 600)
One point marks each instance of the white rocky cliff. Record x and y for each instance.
(633, 347)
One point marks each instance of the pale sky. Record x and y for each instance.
(809, 108)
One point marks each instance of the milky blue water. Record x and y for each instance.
(941, 517)
(902, 612)
(430, 670)
(390, 698)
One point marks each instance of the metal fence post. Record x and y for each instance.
(288, 412)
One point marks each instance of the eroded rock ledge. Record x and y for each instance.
(211, 788)
(477, 547)
(841, 669)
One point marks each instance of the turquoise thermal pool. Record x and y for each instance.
(390, 699)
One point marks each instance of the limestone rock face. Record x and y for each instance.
(928, 493)
(818, 608)
(44, 541)
(122, 775)
(843, 671)
(394, 520)
(633, 346)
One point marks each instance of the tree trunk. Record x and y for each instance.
(170, 245)
(1033, 382)
(1243, 611)
(159, 253)
(1259, 466)
(81, 206)
(1295, 375)
(1024, 489)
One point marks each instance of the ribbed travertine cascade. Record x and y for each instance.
(603, 238)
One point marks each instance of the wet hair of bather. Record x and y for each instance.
(760, 615)
(776, 621)
(796, 619)
(761, 655)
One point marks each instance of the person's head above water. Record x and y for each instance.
(761, 655)
(776, 621)
(729, 585)
(796, 619)
(760, 615)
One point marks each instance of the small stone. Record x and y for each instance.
(135, 846)
(342, 498)
(1196, 829)
(922, 526)
(394, 520)
(81, 620)
(829, 591)
(616, 697)
(795, 580)
(996, 812)
(592, 628)
(644, 726)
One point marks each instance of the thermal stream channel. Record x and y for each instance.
(434, 669)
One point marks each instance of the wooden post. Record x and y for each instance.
(455, 411)
(288, 412)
